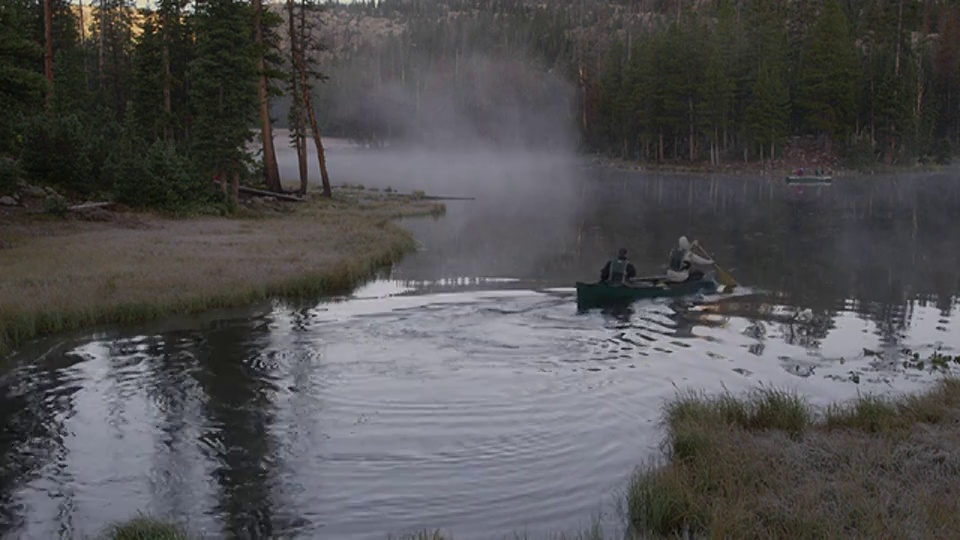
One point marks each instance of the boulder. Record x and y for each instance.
(35, 192)
(8, 201)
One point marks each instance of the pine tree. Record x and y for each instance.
(149, 91)
(828, 76)
(176, 54)
(223, 90)
(304, 73)
(769, 113)
(264, 47)
(609, 112)
(21, 87)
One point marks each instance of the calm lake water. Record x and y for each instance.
(461, 389)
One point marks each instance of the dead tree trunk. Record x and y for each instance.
(48, 53)
(308, 104)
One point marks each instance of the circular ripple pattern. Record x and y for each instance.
(483, 413)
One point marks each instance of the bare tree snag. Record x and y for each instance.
(308, 104)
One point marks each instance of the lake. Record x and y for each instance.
(461, 389)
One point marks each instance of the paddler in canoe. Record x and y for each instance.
(682, 259)
(618, 271)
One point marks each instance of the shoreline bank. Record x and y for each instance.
(67, 275)
(754, 169)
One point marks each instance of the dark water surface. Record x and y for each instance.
(462, 390)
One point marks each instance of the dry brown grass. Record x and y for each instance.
(741, 468)
(62, 275)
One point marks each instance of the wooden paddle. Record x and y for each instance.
(723, 277)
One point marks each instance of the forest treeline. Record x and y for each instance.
(658, 80)
(151, 105)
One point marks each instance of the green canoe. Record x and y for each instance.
(809, 180)
(603, 294)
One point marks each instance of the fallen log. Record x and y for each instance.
(88, 206)
(265, 193)
(442, 198)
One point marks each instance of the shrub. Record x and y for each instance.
(56, 151)
(9, 176)
(943, 152)
(159, 179)
(55, 205)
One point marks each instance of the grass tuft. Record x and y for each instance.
(144, 528)
(658, 502)
(423, 535)
(762, 409)
(779, 409)
(869, 414)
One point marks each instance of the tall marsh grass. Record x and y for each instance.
(767, 465)
(144, 528)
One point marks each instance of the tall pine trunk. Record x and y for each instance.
(167, 80)
(101, 50)
(308, 104)
(48, 52)
(302, 152)
(235, 189)
(270, 169)
(299, 123)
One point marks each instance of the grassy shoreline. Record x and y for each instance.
(68, 275)
(768, 465)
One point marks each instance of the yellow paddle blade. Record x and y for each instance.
(725, 279)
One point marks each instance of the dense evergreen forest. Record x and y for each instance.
(152, 105)
(661, 80)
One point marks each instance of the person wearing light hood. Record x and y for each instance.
(682, 261)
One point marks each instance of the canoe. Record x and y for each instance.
(603, 294)
(811, 180)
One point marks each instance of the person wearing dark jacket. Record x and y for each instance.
(618, 271)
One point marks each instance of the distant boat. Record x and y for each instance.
(809, 180)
